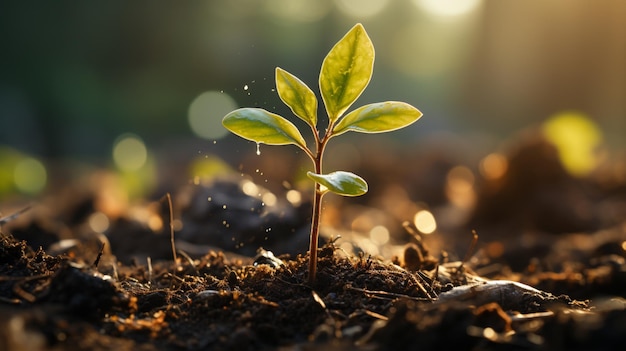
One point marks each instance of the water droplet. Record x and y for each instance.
(258, 149)
(224, 206)
(245, 87)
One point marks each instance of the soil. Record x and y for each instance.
(548, 271)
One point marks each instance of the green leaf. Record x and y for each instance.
(261, 126)
(340, 182)
(378, 118)
(297, 95)
(346, 71)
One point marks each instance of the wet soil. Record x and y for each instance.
(548, 271)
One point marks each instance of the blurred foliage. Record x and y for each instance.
(74, 76)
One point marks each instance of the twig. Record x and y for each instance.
(190, 260)
(386, 295)
(149, 260)
(25, 295)
(421, 286)
(435, 278)
(13, 216)
(11, 301)
(5, 278)
(376, 315)
(470, 249)
(97, 261)
(168, 197)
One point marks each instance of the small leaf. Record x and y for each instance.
(378, 118)
(346, 71)
(261, 126)
(340, 182)
(297, 95)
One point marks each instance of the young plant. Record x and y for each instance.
(346, 71)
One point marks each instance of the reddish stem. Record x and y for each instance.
(315, 226)
(317, 204)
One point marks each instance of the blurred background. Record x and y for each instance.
(140, 87)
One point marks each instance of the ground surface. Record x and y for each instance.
(548, 271)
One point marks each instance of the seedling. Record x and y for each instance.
(346, 71)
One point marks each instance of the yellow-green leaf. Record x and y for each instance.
(297, 95)
(346, 71)
(341, 182)
(261, 126)
(378, 118)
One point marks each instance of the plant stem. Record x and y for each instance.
(315, 227)
(317, 203)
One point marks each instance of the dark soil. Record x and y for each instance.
(549, 273)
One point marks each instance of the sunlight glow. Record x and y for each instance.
(361, 8)
(448, 8)
(297, 10)
(414, 51)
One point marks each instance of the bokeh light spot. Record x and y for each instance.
(99, 222)
(249, 188)
(461, 178)
(494, 249)
(294, 197)
(206, 112)
(379, 235)
(269, 199)
(493, 166)
(460, 187)
(208, 167)
(30, 176)
(129, 153)
(447, 8)
(8, 159)
(361, 8)
(576, 137)
(425, 222)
